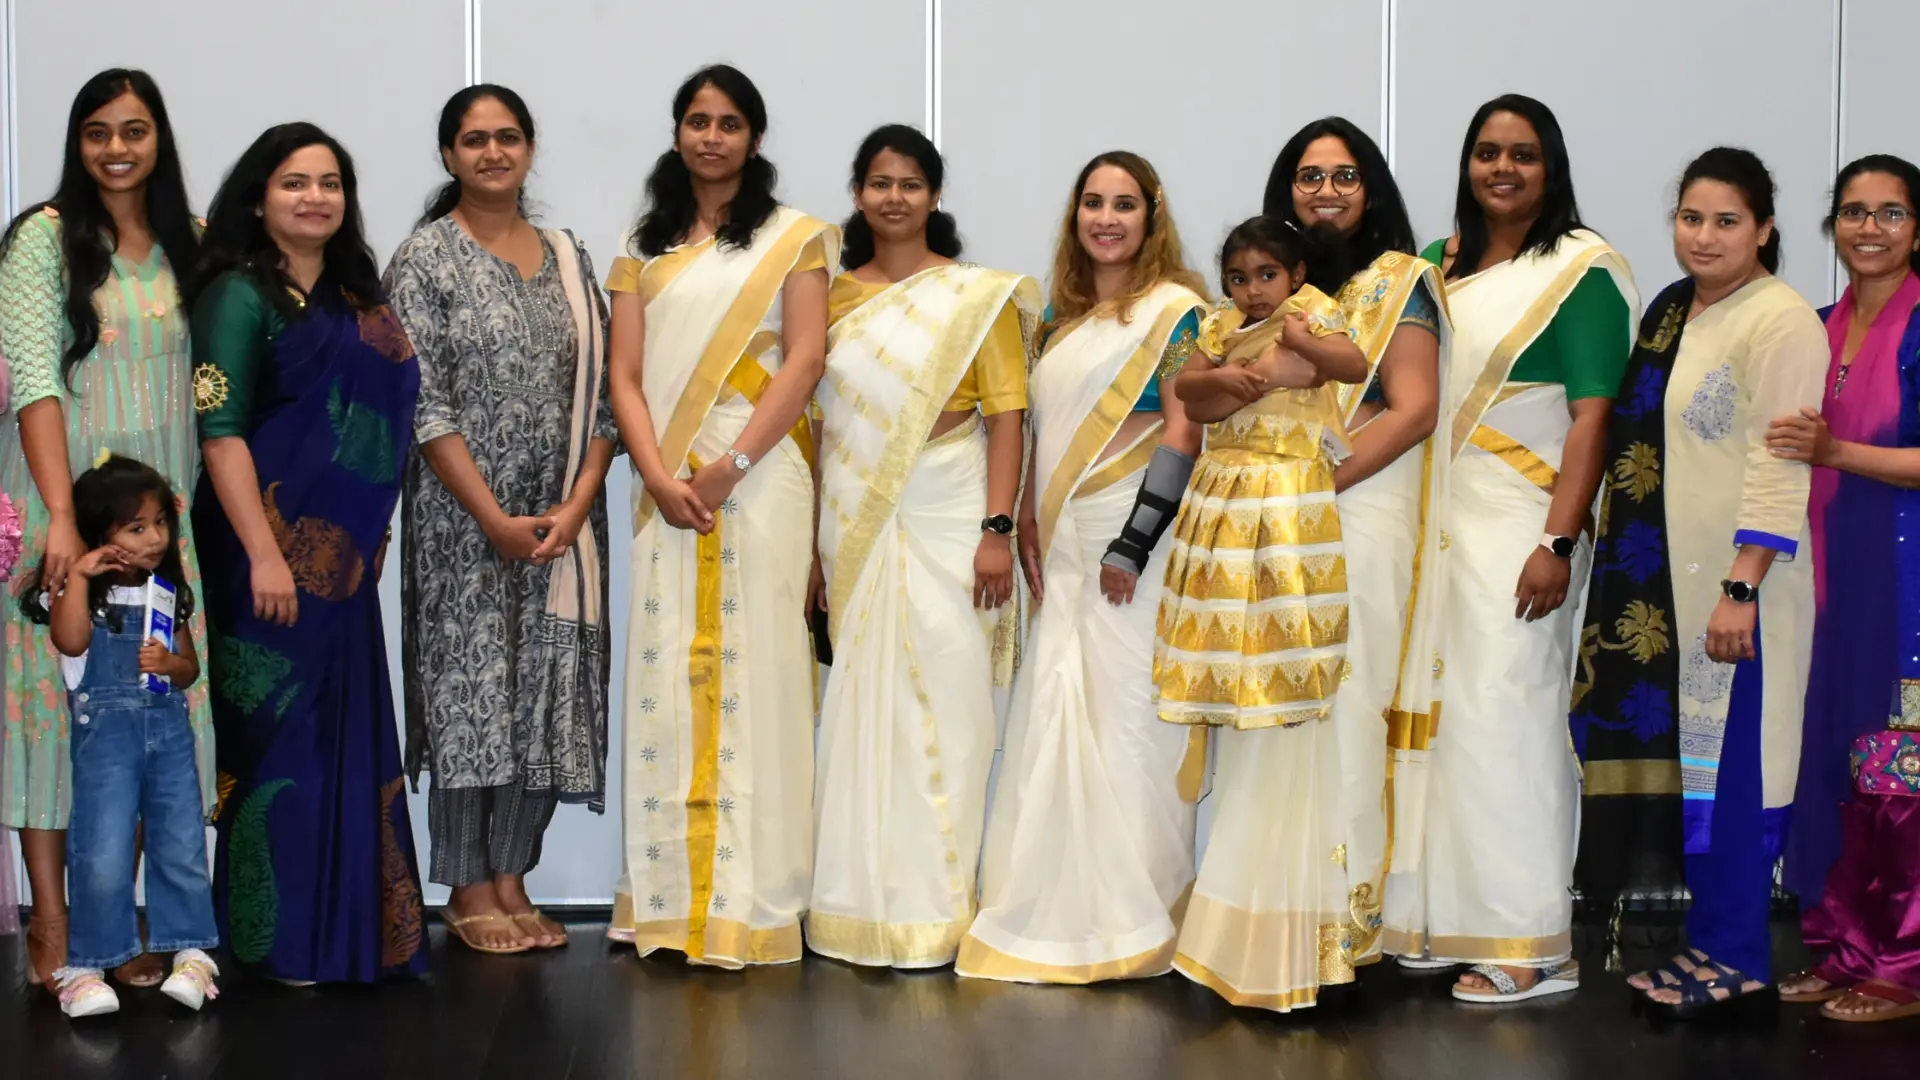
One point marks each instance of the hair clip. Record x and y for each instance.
(102, 457)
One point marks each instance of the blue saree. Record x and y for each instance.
(315, 877)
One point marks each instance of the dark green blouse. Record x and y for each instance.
(1585, 347)
(234, 327)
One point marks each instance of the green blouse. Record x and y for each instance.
(1586, 346)
(234, 327)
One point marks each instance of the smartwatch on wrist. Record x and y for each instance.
(1561, 546)
(998, 523)
(1740, 592)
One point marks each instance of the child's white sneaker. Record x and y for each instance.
(84, 992)
(191, 983)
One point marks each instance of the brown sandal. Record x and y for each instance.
(145, 971)
(459, 923)
(1898, 1002)
(47, 937)
(1832, 990)
(541, 926)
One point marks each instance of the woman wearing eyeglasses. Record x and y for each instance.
(1864, 690)
(1331, 176)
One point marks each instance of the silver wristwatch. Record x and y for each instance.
(740, 460)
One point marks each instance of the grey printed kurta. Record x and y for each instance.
(497, 691)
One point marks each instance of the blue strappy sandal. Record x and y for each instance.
(1668, 976)
(1699, 1004)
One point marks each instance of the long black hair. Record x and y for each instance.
(1384, 224)
(452, 115)
(1743, 171)
(237, 235)
(1559, 210)
(671, 211)
(106, 497)
(1897, 167)
(88, 237)
(1284, 241)
(943, 233)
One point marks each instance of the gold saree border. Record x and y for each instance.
(723, 350)
(983, 961)
(703, 684)
(1507, 353)
(875, 944)
(1408, 730)
(1516, 456)
(1096, 429)
(979, 304)
(1632, 776)
(1193, 763)
(729, 943)
(1374, 323)
(1480, 950)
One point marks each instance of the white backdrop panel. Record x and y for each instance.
(1640, 87)
(604, 116)
(1031, 91)
(1878, 114)
(372, 72)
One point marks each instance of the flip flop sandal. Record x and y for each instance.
(459, 923)
(537, 922)
(1699, 1004)
(1904, 1003)
(1422, 965)
(1559, 979)
(1836, 986)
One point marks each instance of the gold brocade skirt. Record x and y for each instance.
(1252, 629)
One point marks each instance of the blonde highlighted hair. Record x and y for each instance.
(1161, 257)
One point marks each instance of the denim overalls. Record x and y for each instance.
(133, 763)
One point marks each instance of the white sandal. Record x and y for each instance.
(1558, 979)
(1423, 963)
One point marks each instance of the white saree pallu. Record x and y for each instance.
(1493, 883)
(1089, 849)
(1385, 710)
(718, 743)
(907, 723)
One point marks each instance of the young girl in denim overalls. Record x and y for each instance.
(132, 747)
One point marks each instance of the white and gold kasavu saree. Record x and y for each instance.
(1089, 848)
(1492, 884)
(907, 721)
(1288, 897)
(718, 743)
(1387, 708)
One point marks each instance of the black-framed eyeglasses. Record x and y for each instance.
(1891, 218)
(1309, 181)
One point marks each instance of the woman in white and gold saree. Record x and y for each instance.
(719, 336)
(1331, 177)
(1542, 315)
(1089, 849)
(921, 444)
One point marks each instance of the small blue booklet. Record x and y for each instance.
(160, 597)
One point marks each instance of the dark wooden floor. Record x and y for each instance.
(587, 1012)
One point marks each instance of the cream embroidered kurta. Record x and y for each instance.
(1757, 355)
